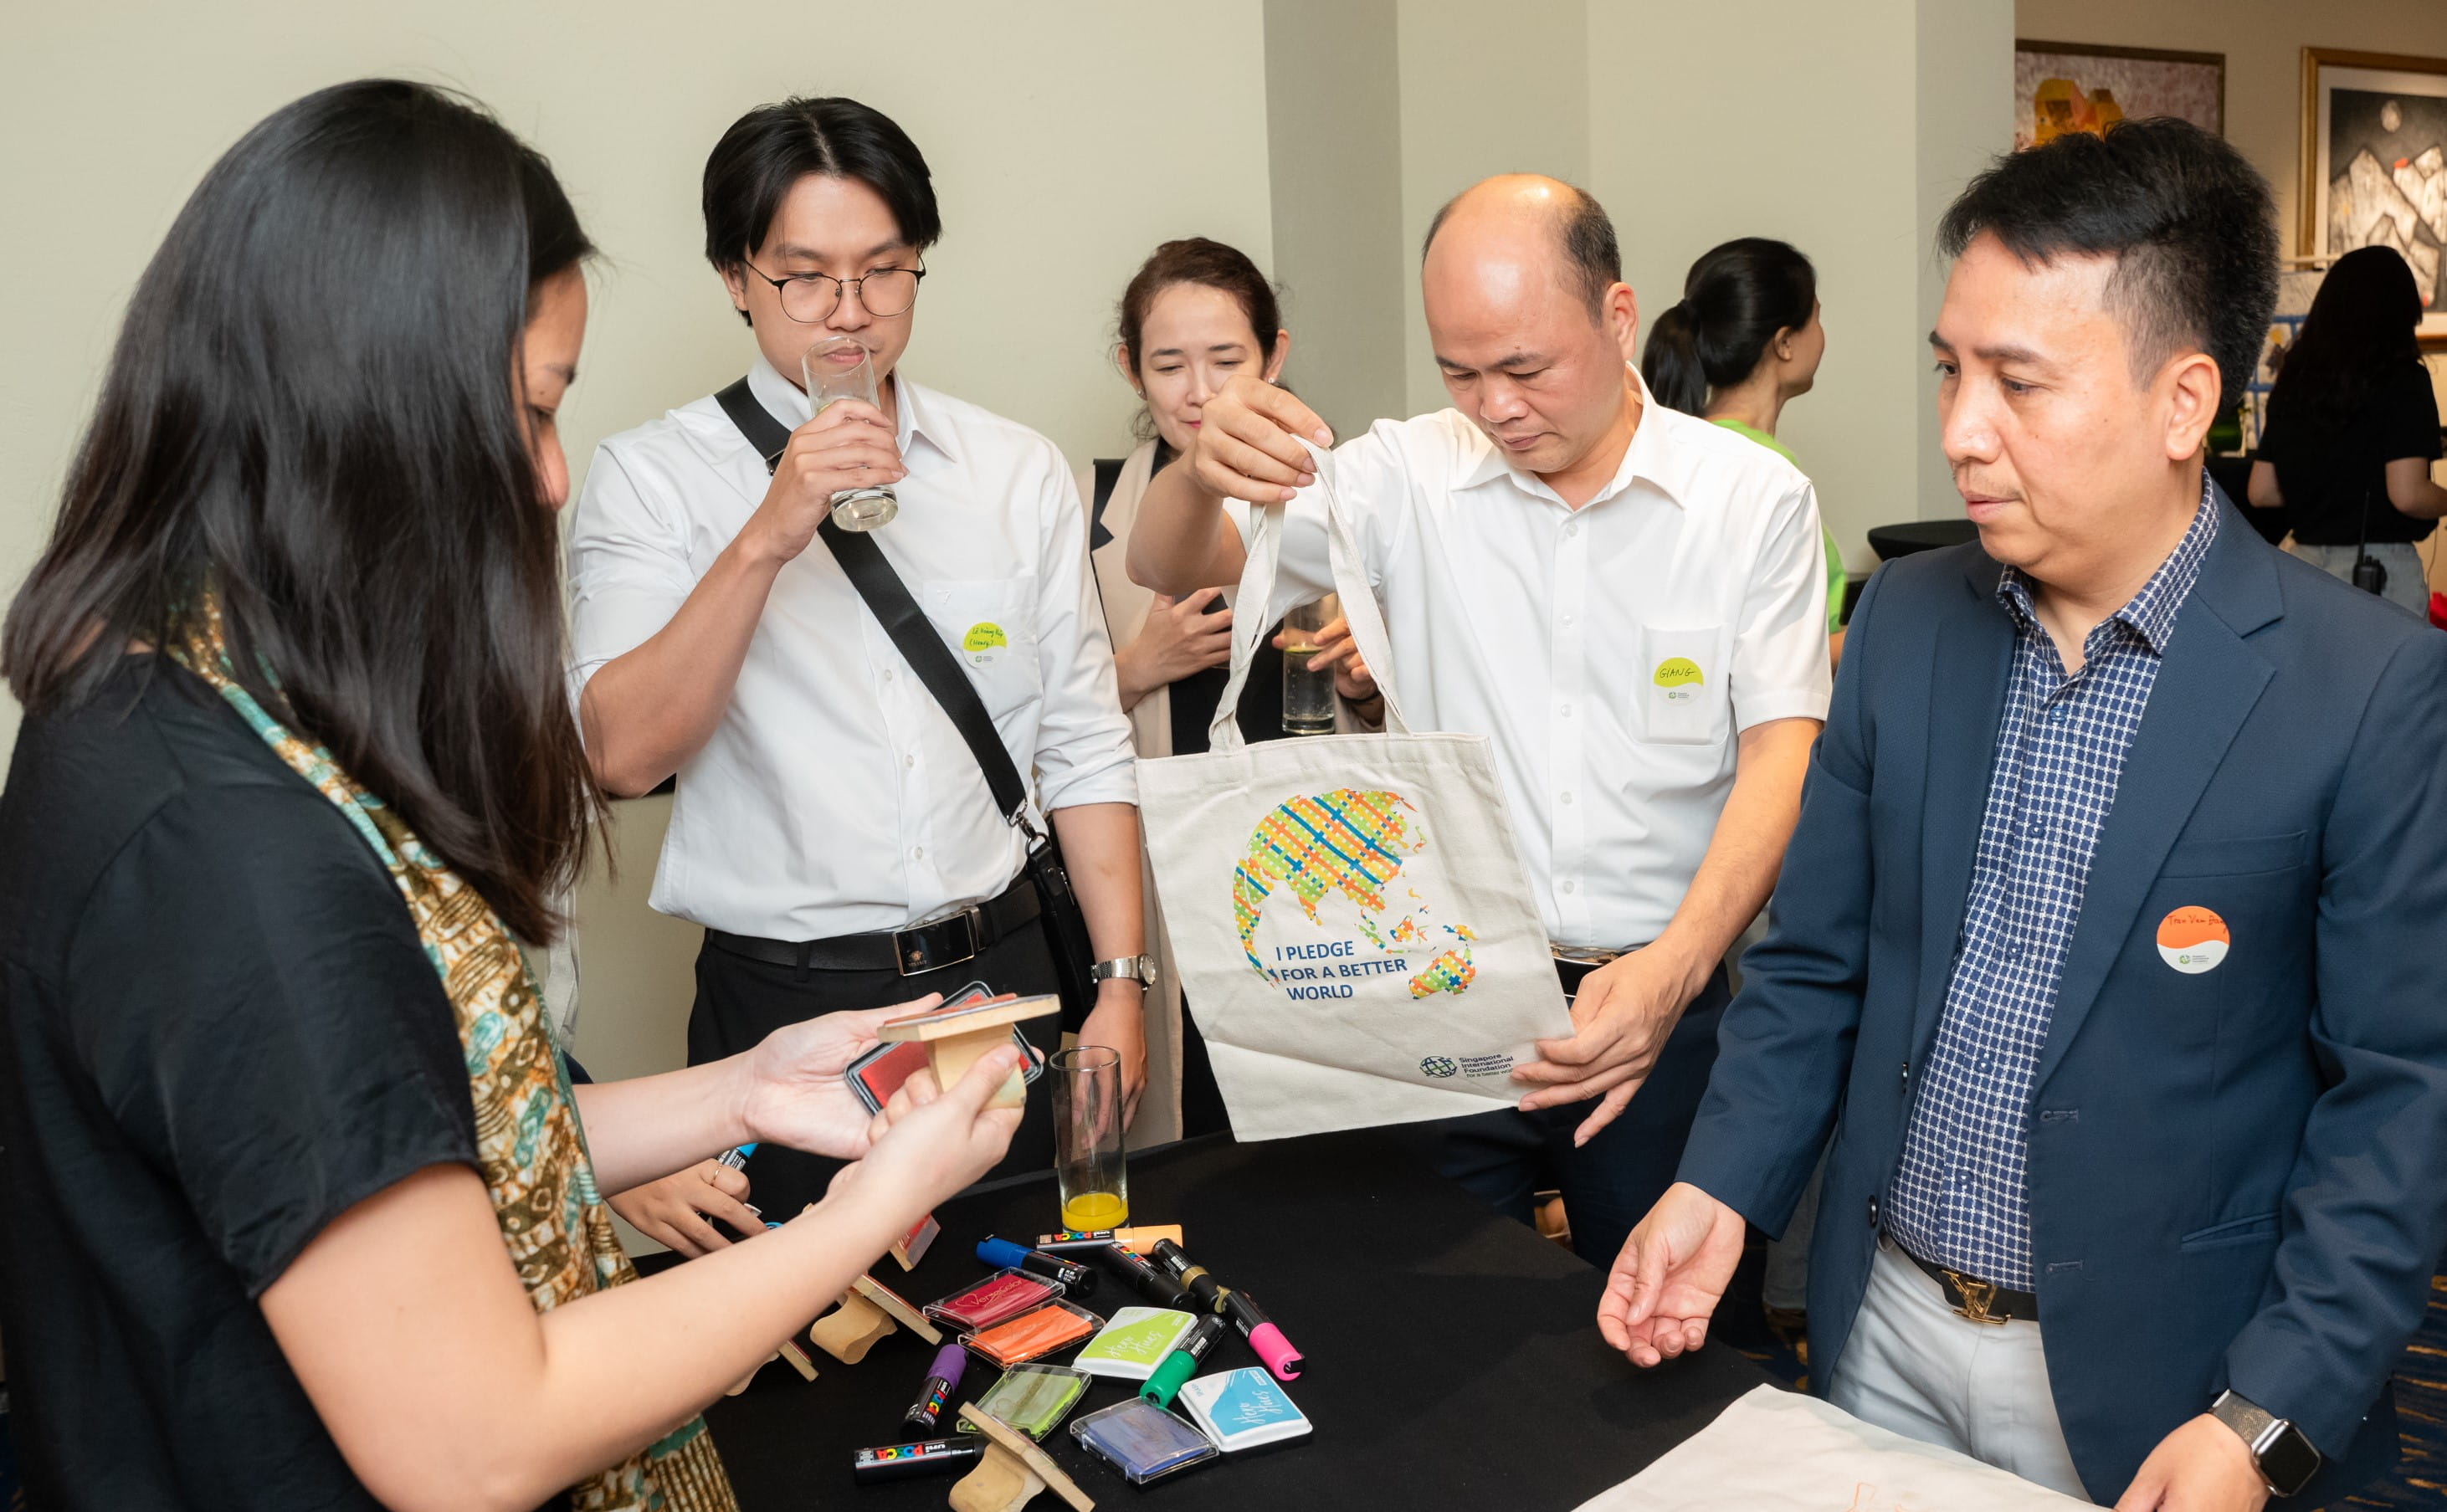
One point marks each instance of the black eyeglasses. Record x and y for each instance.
(807, 297)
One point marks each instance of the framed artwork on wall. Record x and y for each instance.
(2061, 87)
(2374, 164)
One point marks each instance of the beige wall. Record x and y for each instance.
(2263, 40)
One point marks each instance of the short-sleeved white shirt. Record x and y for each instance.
(1612, 652)
(835, 796)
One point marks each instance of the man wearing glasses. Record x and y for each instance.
(831, 830)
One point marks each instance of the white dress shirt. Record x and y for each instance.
(1611, 653)
(835, 796)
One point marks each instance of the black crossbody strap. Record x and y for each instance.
(888, 599)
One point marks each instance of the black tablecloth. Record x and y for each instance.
(1453, 1355)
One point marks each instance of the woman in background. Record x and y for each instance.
(1196, 312)
(302, 1210)
(1745, 340)
(2353, 426)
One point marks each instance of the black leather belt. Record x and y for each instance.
(1980, 1301)
(911, 951)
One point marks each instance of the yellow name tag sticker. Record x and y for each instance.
(984, 643)
(1677, 675)
(2193, 940)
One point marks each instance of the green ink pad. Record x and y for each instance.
(1032, 1398)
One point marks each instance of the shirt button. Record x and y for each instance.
(1571, 887)
(1566, 711)
(917, 853)
(1571, 529)
(909, 761)
(1568, 622)
(1567, 800)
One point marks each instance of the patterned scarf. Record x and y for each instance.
(528, 1140)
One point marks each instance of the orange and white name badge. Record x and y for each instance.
(2193, 940)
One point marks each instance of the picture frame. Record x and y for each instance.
(2132, 81)
(2374, 165)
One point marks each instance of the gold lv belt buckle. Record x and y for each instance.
(1976, 1296)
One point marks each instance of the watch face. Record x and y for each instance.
(2289, 1461)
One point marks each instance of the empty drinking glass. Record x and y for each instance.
(836, 369)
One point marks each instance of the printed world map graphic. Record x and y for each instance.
(1353, 844)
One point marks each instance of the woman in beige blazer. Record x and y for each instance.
(1196, 312)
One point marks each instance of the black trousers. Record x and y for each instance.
(1609, 1185)
(739, 1001)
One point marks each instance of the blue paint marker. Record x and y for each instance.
(1077, 1281)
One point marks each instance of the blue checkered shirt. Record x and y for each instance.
(1958, 1197)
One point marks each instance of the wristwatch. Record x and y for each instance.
(1139, 968)
(2286, 1459)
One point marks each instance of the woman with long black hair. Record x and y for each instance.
(2353, 426)
(1744, 340)
(300, 1213)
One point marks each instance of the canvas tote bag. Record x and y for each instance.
(1349, 913)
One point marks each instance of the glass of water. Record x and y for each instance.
(836, 369)
(1308, 695)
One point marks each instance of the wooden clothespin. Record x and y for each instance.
(1014, 1470)
(956, 1041)
(791, 1351)
(868, 1311)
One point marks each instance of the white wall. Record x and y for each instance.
(1062, 153)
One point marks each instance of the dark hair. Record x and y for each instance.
(1588, 237)
(312, 413)
(768, 150)
(1736, 297)
(2189, 223)
(1210, 264)
(2361, 323)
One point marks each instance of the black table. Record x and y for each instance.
(1453, 1355)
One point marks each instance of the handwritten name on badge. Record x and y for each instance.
(2193, 940)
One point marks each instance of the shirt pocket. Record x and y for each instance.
(1680, 686)
(990, 624)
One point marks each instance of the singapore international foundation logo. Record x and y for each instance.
(1440, 1067)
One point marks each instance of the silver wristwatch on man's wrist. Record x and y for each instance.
(2286, 1458)
(1139, 968)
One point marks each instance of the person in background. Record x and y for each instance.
(2353, 427)
(302, 1210)
(2104, 945)
(1746, 340)
(832, 831)
(1551, 524)
(1196, 312)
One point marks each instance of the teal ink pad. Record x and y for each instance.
(1241, 1410)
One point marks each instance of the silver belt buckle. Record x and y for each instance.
(910, 947)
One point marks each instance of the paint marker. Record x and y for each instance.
(1263, 1336)
(1201, 1284)
(1077, 1281)
(942, 1379)
(1183, 1362)
(908, 1462)
(1137, 1240)
(1159, 1288)
(735, 1158)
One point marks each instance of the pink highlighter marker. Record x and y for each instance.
(1266, 1340)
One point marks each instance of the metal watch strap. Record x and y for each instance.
(1139, 968)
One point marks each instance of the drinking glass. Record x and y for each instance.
(1088, 1158)
(836, 369)
(1308, 695)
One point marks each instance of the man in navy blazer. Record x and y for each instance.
(2110, 944)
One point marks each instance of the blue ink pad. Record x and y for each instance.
(1143, 1441)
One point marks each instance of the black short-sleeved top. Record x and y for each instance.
(220, 1034)
(2326, 479)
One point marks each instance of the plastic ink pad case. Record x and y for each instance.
(1034, 1398)
(1004, 1294)
(1135, 1342)
(1032, 1335)
(1241, 1410)
(1142, 1441)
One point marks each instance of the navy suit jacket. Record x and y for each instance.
(2237, 1177)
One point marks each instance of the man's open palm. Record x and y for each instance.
(1670, 1276)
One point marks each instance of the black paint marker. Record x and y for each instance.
(909, 1461)
(1158, 1288)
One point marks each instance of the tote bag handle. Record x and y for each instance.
(1256, 597)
